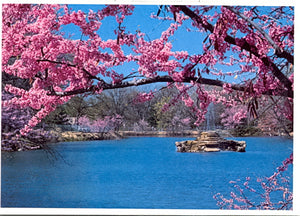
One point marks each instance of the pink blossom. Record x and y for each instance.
(233, 116)
(35, 48)
(188, 101)
(227, 87)
(276, 183)
(143, 97)
(186, 121)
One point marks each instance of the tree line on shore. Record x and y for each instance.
(119, 109)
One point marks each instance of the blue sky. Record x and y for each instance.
(141, 20)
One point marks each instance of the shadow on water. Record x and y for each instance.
(53, 155)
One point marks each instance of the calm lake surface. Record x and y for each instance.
(139, 172)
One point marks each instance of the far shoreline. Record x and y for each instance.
(73, 136)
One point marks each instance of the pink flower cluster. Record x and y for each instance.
(227, 88)
(143, 97)
(233, 116)
(35, 48)
(36, 99)
(118, 11)
(108, 123)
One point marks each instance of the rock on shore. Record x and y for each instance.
(210, 141)
(83, 136)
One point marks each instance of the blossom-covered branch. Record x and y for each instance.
(245, 45)
(162, 79)
(278, 51)
(58, 67)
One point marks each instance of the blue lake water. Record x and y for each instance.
(139, 172)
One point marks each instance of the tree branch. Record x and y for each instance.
(246, 46)
(278, 51)
(72, 65)
(166, 78)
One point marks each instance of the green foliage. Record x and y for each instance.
(245, 130)
(152, 118)
(122, 102)
(77, 107)
(164, 118)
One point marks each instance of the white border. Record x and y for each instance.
(296, 179)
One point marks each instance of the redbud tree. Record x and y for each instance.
(108, 123)
(254, 45)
